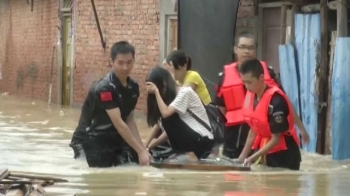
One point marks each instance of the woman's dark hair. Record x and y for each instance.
(167, 88)
(179, 59)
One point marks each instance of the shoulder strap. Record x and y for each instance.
(200, 120)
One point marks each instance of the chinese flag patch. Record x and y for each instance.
(106, 96)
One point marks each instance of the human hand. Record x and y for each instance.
(165, 64)
(240, 159)
(304, 137)
(169, 67)
(248, 161)
(151, 87)
(144, 158)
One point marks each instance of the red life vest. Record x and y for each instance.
(258, 120)
(233, 92)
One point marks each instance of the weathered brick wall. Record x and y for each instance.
(246, 20)
(26, 41)
(136, 21)
(246, 9)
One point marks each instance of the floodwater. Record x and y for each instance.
(34, 138)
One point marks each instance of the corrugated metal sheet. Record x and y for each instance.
(307, 41)
(289, 74)
(340, 105)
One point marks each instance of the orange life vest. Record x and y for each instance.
(233, 92)
(258, 119)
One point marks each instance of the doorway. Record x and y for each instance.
(172, 35)
(269, 39)
(66, 59)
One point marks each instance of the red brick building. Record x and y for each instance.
(28, 34)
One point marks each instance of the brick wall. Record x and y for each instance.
(26, 41)
(246, 9)
(246, 19)
(136, 21)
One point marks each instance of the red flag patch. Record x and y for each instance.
(106, 96)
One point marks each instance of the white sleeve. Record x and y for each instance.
(182, 100)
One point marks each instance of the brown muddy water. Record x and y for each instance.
(34, 138)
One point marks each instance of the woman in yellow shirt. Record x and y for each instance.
(179, 64)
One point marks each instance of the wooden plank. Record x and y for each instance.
(317, 7)
(36, 177)
(22, 190)
(332, 5)
(15, 192)
(342, 18)
(4, 173)
(295, 10)
(311, 8)
(328, 145)
(201, 166)
(20, 182)
(274, 4)
(283, 24)
(322, 84)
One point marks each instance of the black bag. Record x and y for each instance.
(217, 122)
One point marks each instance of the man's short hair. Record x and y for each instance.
(246, 34)
(252, 66)
(121, 47)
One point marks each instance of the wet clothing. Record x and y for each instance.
(104, 146)
(286, 153)
(108, 150)
(80, 133)
(262, 124)
(162, 151)
(236, 136)
(184, 139)
(187, 100)
(233, 93)
(185, 133)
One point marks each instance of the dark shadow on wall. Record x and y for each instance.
(206, 32)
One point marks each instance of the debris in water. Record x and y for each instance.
(40, 122)
(5, 93)
(153, 174)
(140, 193)
(33, 103)
(61, 113)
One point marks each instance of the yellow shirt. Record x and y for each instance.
(201, 88)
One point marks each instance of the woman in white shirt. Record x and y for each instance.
(168, 109)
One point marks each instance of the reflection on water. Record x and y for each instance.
(35, 138)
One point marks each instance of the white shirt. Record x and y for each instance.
(188, 99)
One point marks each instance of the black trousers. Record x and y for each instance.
(78, 139)
(183, 139)
(289, 158)
(108, 150)
(162, 151)
(235, 139)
